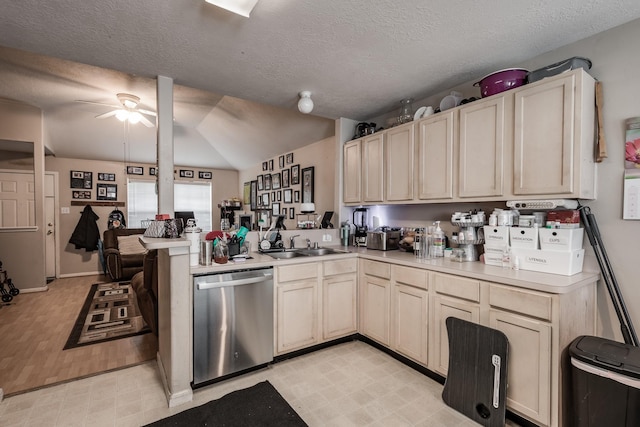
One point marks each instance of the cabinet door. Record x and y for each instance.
(482, 144)
(352, 172)
(339, 306)
(399, 150)
(447, 307)
(544, 138)
(410, 322)
(297, 315)
(529, 388)
(435, 156)
(373, 168)
(375, 307)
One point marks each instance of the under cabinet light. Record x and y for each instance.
(240, 7)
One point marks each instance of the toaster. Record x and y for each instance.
(383, 240)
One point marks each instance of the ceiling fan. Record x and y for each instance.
(127, 111)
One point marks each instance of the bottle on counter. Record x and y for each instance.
(438, 241)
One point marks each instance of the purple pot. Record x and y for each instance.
(502, 80)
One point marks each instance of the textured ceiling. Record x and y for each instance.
(237, 75)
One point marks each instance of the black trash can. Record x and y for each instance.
(605, 378)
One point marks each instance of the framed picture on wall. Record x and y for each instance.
(267, 181)
(80, 194)
(292, 213)
(107, 192)
(271, 164)
(81, 179)
(296, 196)
(186, 173)
(287, 196)
(285, 178)
(295, 174)
(279, 196)
(254, 195)
(281, 162)
(265, 166)
(135, 170)
(246, 193)
(289, 158)
(275, 209)
(265, 199)
(204, 175)
(307, 185)
(284, 212)
(102, 176)
(275, 181)
(260, 182)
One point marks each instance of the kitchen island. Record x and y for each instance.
(401, 303)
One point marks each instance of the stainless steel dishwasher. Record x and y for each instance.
(232, 323)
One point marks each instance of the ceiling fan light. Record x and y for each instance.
(239, 7)
(305, 104)
(128, 100)
(122, 115)
(134, 117)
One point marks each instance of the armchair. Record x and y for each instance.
(123, 254)
(145, 285)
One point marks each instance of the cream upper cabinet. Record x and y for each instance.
(435, 139)
(339, 298)
(373, 168)
(399, 156)
(352, 172)
(484, 136)
(554, 137)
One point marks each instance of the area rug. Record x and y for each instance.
(110, 312)
(259, 405)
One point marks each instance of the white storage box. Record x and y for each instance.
(493, 254)
(496, 236)
(524, 237)
(561, 239)
(554, 262)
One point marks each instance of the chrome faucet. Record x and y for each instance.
(292, 241)
(308, 243)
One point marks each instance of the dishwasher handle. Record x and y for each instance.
(237, 282)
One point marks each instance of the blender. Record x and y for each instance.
(360, 223)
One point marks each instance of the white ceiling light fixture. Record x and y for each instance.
(129, 110)
(240, 7)
(305, 104)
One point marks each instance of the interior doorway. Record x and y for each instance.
(51, 225)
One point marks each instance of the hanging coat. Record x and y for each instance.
(86, 233)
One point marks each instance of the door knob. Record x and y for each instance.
(49, 232)
(50, 225)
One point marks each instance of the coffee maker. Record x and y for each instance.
(360, 223)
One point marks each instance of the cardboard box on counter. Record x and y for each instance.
(564, 263)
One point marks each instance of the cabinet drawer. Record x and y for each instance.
(410, 276)
(287, 273)
(378, 269)
(456, 286)
(521, 301)
(341, 266)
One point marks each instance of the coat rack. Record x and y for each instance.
(96, 203)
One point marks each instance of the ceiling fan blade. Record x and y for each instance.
(98, 103)
(147, 112)
(146, 122)
(105, 115)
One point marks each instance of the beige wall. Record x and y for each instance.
(77, 261)
(320, 155)
(22, 253)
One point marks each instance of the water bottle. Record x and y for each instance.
(345, 231)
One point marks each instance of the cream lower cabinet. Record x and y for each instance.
(315, 302)
(375, 300)
(410, 312)
(339, 298)
(296, 307)
(452, 296)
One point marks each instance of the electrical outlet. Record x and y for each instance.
(64, 210)
(328, 237)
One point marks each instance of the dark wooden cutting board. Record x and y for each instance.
(469, 388)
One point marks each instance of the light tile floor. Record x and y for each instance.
(351, 384)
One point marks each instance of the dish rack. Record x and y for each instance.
(473, 233)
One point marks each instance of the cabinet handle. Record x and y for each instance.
(495, 360)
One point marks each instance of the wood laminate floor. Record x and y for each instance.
(35, 327)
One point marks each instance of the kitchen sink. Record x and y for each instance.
(285, 254)
(294, 253)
